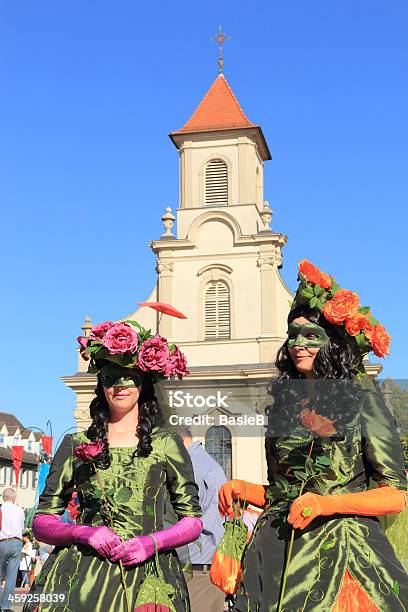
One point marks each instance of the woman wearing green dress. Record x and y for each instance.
(122, 469)
(318, 544)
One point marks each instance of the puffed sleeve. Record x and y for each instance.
(182, 488)
(59, 483)
(381, 446)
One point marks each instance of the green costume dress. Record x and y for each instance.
(328, 546)
(136, 488)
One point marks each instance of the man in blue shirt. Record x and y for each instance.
(209, 476)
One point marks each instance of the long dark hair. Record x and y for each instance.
(336, 360)
(150, 416)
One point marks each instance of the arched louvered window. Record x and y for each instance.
(218, 445)
(216, 183)
(217, 310)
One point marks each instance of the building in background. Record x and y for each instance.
(221, 269)
(13, 433)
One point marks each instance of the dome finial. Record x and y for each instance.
(220, 39)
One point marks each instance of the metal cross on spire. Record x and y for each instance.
(220, 39)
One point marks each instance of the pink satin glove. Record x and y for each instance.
(50, 529)
(133, 551)
(141, 548)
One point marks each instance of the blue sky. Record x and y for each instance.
(89, 92)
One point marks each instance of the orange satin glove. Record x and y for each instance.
(375, 502)
(246, 491)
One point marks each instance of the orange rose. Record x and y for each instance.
(356, 323)
(314, 275)
(380, 340)
(343, 306)
(316, 423)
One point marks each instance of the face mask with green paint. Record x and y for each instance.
(112, 376)
(308, 335)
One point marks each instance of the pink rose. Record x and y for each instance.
(89, 452)
(83, 343)
(98, 331)
(177, 364)
(121, 338)
(153, 354)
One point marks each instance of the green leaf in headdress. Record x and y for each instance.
(123, 359)
(307, 292)
(362, 342)
(135, 324)
(334, 286)
(363, 309)
(373, 321)
(92, 349)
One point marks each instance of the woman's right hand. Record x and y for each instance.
(102, 539)
(253, 494)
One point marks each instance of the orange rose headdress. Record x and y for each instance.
(342, 308)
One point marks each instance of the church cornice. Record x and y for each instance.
(219, 133)
(273, 238)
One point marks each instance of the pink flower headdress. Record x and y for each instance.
(129, 345)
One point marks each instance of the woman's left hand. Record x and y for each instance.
(133, 551)
(306, 508)
(374, 502)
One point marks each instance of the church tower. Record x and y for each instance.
(221, 269)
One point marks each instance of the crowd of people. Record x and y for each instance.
(152, 501)
(21, 555)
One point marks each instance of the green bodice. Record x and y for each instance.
(368, 453)
(129, 495)
(136, 489)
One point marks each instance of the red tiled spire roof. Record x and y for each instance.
(219, 109)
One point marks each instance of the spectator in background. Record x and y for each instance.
(11, 534)
(209, 476)
(27, 558)
(43, 552)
